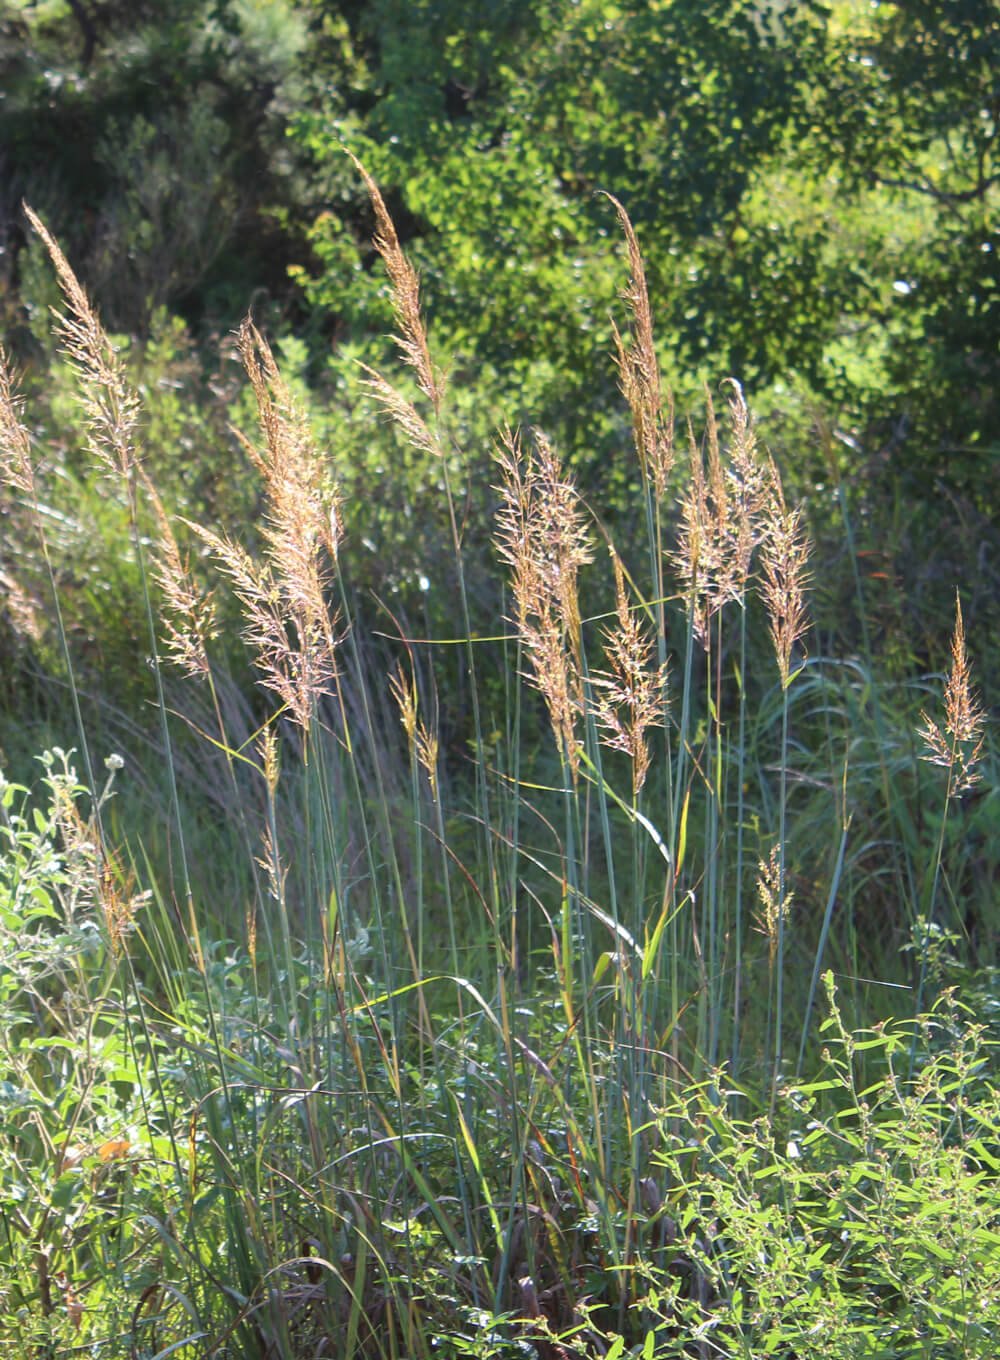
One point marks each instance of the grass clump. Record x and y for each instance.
(508, 1054)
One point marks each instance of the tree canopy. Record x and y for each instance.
(814, 186)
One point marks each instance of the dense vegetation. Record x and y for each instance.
(513, 865)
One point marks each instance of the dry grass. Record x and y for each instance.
(412, 337)
(17, 471)
(16, 464)
(959, 745)
(630, 693)
(111, 405)
(509, 1151)
(542, 536)
(775, 900)
(188, 616)
(785, 554)
(289, 625)
(722, 515)
(422, 742)
(639, 372)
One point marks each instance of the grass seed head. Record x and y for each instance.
(721, 515)
(110, 403)
(775, 899)
(16, 466)
(639, 371)
(959, 746)
(785, 575)
(542, 535)
(288, 623)
(630, 693)
(189, 617)
(412, 337)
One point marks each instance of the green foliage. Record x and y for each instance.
(181, 1165)
(78, 1161)
(151, 143)
(857, 1228)
(814, 189)
(456, 1038)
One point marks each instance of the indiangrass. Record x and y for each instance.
(494, 1064)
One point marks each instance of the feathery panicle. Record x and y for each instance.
(189, 619)
(110, 403)
(412, 337)
(304, 511)
(427, 754)
(288, 623)
(775, 899)
(18, 472)
(695, 549)
(269, 860)
(293, 649)
(16, 467)
(405, 694)
(639, 371)
(250, 925)
(542, 536)
(747, 475)
(960, 745)
(720, 581)
(403, 413)
(422, 743)
(561, 536)
(270, 758)
(23, 611)
(631, 692)
(720, 515)
(784, 558)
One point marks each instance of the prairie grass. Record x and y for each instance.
(514, 1052)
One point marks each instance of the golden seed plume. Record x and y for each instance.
(189, 616)
(17, 471)
(630, 692)
(270, 759)
(22, 609)
(639, 370)
(412, 337)
(110, 403)
(403, 413)
(747, 475)
(288, 623)
(422, 742)
(721, 514)
(774, 906)
(959, 746)
(541, 534)
(404, 691)
(16, 466)
(784, 559)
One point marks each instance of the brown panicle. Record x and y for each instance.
(412, 337)
(110, 403)
(639, 371)
(784, 559)
(542, 536)
(959, 746)
(284, 596)
(630, 698)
